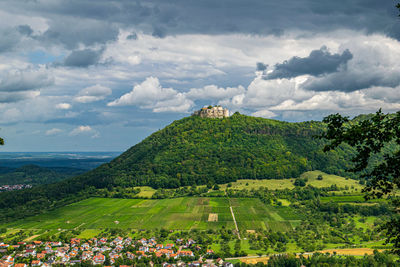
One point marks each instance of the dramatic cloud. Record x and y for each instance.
(92, 94)
(151, 95)
(317, 63)
(59, 59)
(261, 66)
(83, 58)
(25, 80)
(91, 22)
(375, 63)
(25, 30)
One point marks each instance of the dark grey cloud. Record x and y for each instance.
(355, 79)
(71, 32)
(83, 58)
(25, 30)
(73, 20)
(132, 36)
(261, 66)
(317, 63)
(25, 80)
(8, 40)
(159, 32)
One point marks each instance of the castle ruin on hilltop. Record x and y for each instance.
(212, 112)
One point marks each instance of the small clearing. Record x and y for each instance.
(213, 217)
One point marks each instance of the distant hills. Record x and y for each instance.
(35, 175)
(195, 151)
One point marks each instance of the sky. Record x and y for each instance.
(83, 75)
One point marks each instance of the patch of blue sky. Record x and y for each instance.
(42, 57)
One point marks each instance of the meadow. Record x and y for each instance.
(347, 185)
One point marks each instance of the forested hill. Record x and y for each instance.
(196, 150)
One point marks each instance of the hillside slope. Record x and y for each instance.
(196, 150)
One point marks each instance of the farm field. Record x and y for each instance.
(176, 214)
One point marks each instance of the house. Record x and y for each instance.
(195, 263)
(30, 252)
(130, 256)
(36, 263)
(159, 246)
(169, 246)
(56, 244)
(210, 251)
(228, 264)
(99, 259)
(219, 261)
(114, 257)
(20, 265)
(186, 253)
(86, 255)
(85, 246)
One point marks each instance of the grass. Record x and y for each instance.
(145, 192)
(280, 184)
(185, 213)
(329, 179)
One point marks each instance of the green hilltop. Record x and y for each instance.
(195, 151)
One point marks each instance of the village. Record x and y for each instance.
(107, 252)
(13, 187)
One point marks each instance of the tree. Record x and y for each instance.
(1, 141)
(380, 167)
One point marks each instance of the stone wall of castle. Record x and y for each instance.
(214, 112)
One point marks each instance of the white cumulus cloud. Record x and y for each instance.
(151, 95)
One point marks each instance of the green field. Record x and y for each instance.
(279, 184)
(179, 213)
